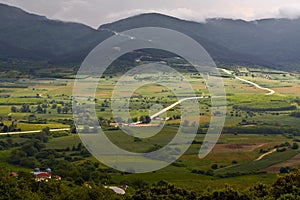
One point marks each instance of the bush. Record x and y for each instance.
(139, 183)
(295, 146)
(210, 173)
(284, 170)
(214, 166)
(281, 149)
(195, 171)
(234, 162)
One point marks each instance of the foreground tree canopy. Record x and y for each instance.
(26, 187)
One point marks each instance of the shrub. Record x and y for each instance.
(295, 146)
(214, 166)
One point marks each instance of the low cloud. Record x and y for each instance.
(182, 13)
(289, 12)
(97, 12)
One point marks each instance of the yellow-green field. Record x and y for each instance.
(255, 124)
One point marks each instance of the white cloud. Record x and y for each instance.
(290, 12)
(97, 12)
(183, 13)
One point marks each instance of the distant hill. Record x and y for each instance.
(271, 42)
(209, 38)
(36, 37)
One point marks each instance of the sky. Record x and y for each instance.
(97, 12)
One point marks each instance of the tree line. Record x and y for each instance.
(25, 187)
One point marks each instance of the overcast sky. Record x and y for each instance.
(97, 12)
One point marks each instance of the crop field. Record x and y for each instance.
(292, 162)
(255, 124)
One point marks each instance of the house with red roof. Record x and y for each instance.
(41, 176)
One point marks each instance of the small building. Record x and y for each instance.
(57, 178)
(113, 124)
(48, 170)
(44, 176)
(14, 174)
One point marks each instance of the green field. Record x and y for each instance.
(255, 123)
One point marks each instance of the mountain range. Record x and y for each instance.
(271, 43)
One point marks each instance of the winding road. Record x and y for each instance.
(270, 91)
(265, 154)
(173, 105)
(169, 107)
(38, 131)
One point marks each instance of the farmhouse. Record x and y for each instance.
(14, 174)
(113, 124)
(41, 176)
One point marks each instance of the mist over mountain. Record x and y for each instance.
(271, 42)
